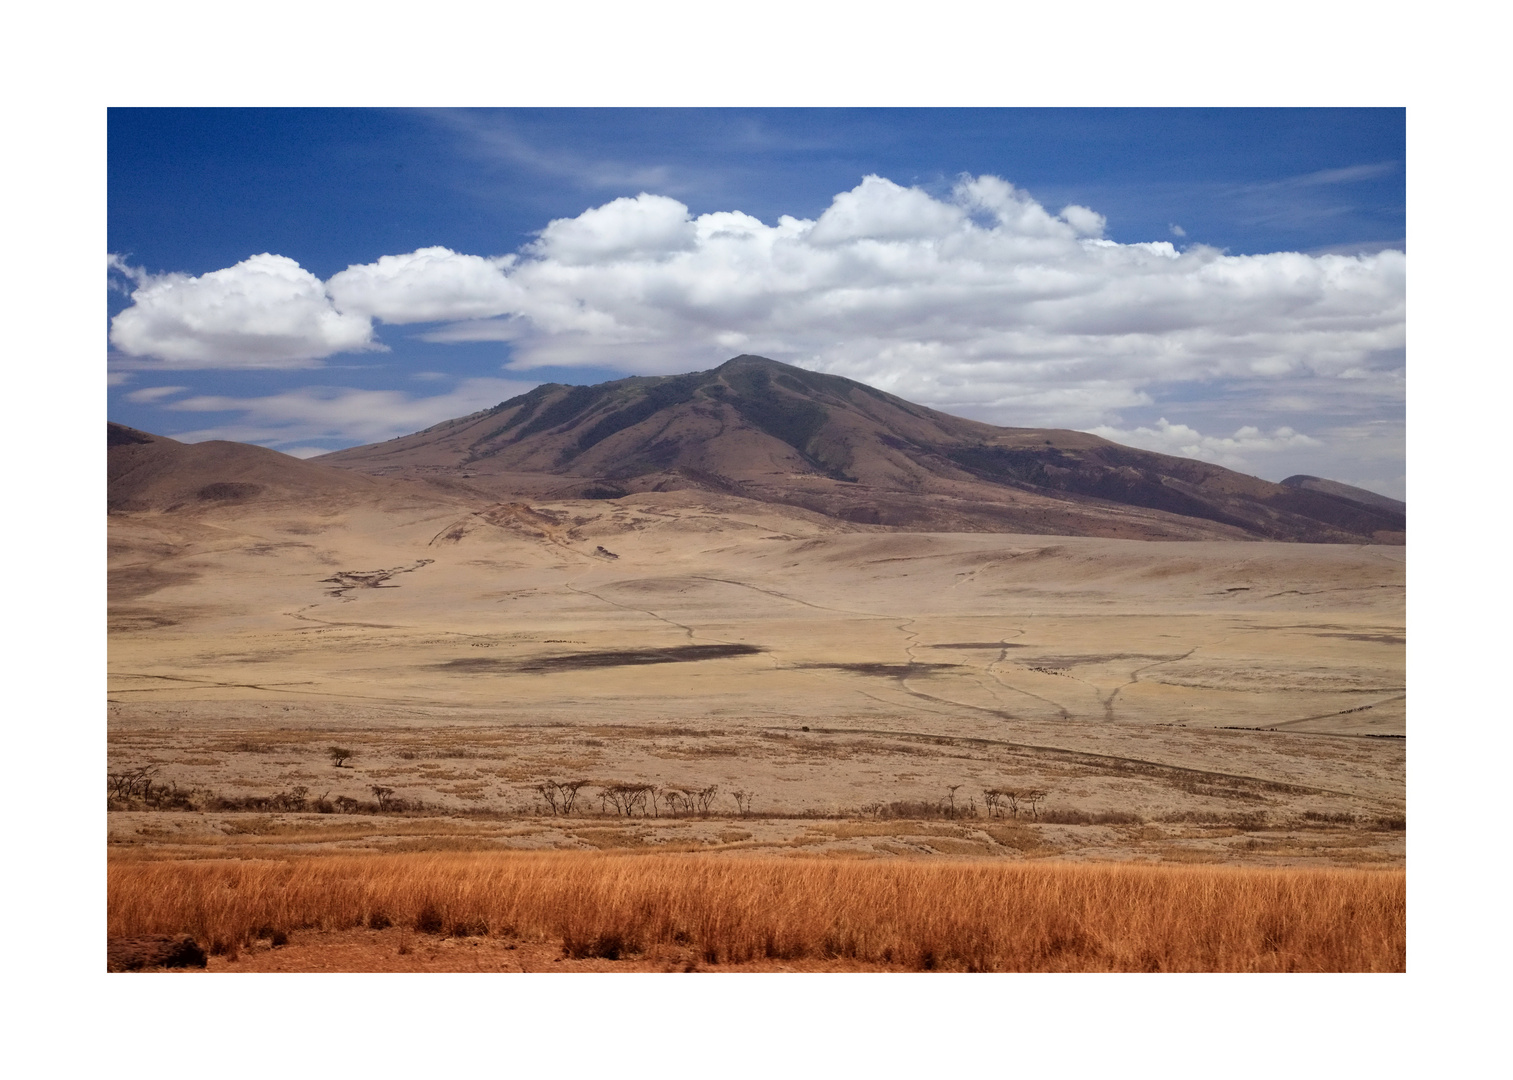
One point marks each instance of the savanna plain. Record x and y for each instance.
(680, 731)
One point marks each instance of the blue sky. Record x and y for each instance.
(1119, 271)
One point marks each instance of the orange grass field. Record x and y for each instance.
(914, 915)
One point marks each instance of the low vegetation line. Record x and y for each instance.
(963, 916)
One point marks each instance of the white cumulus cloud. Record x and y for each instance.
(264, 312)
(1233, 451)
(646, 227)
(1087, 222)
(981, 297)
(429, 285)
(978, 301)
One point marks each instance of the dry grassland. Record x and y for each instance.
(862, 690)
(899, 914)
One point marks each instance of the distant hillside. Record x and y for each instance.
(775, 433)
(1359, 496)
(150, 472)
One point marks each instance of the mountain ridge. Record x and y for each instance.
(775, 433)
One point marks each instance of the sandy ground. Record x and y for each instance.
(686, 642)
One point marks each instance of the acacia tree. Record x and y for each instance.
(628, 798)
(951, 799)
(338, 755)
(561, 796)
(568, 793)
(1034, 798)
(382, 794)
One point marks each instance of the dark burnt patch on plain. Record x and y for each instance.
(677, 654)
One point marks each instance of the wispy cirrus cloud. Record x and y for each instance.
(154, 393)
(490, 136)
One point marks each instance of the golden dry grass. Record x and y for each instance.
(974, 916)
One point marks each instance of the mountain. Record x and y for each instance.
(767, 431)
(1359, 496)
(151, 472)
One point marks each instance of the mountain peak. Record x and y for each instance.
(765, 430)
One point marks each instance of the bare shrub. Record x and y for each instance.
(912, 810)
(291, 800)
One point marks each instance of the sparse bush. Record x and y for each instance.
(292, 800)
(1256, 820)
(606, 945)
(429, 920)
(252, 748)
(912, 810)
(1064, 816)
